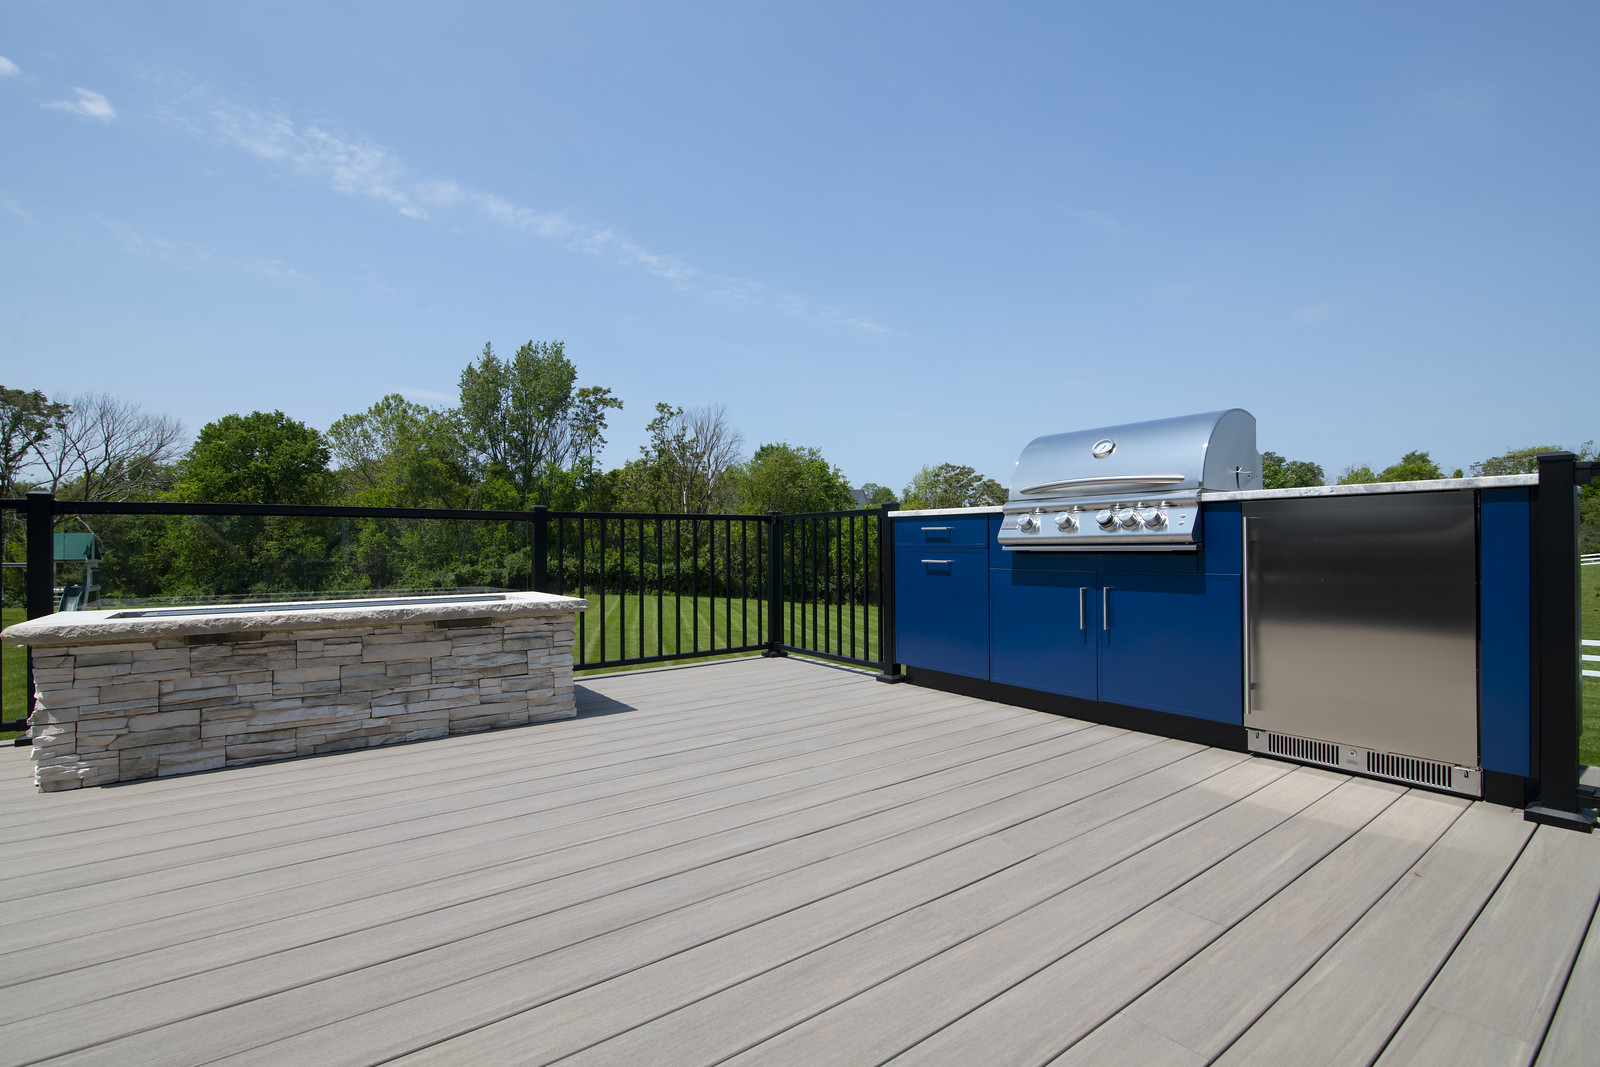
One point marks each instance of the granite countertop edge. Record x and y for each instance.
(98, 628)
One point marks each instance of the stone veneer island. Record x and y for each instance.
(140, 693)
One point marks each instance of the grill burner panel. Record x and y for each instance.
(1137, 486)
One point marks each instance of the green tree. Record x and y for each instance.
(1280, 473)
(951, 486)
(1413, 467)
(27, 419)
(259, 458)
(685, 467)
(876, 494)
(1526, 461)
(526, 416)
(401, 454)
(791, 479)
(1357, 475)
(1523, 460)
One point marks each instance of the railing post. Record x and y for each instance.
(1557, 629)
(541, 548)
(774, 586)
(41, 599)
(890, 669)
(41, 583)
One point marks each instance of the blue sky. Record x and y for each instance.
(904, 233)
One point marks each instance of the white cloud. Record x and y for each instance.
(1316, 314)
(1098, 219)
(14, 208)
(275, 269)
(88, 105)
(8, 69)
(358, 166)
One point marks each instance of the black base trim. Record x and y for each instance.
(1510, 790)
(1582, 819)
(1143, 720)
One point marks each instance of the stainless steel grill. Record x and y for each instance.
(1137, 486)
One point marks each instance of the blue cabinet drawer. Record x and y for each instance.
(953, 531)
(941, 604)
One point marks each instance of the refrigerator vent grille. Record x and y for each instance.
(1410, 769)
(1303, 749)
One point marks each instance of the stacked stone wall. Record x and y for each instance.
(114, 712)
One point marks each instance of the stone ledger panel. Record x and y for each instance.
(171, 704)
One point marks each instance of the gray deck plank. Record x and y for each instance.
(784, 861)
(816, 965)
(1574, 1033)
(1493, 1000)
(820, 903)
(499, 948)
(929, 793)
(1346, 1007)
(1081, 922)
(1050, 1009)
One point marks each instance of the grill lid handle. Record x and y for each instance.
(1104, 481)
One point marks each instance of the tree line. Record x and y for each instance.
(525, 431)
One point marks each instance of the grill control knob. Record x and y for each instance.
(1065, 522)
(1027, 523)
(1128, 517)
(1105, 519)
(1153, 518)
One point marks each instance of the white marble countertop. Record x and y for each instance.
(1436, 485)
(995, 509)
(159, 624)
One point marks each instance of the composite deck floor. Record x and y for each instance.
(767, 862)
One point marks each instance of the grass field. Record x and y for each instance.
(14, 667)
(722, 624)
(1589, 743)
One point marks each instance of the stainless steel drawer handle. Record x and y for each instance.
(1105, 607)
(1081, 591)
(946, 562)
(926, 529)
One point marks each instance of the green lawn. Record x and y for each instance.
(14, 666)
(722, 624)
(1589, 743)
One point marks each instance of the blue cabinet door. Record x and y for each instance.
(1043, 630)
(1174, 643)
(941, 606)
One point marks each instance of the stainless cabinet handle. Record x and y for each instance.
(925, 529)
(946, 562)
(1081, 591)
(1105, 607)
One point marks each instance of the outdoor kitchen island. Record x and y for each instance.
(121, 695)
(1139, 576)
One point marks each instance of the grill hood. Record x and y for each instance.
(1149, 475)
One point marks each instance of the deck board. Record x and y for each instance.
(784, 862)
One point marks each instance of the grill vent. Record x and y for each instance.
(1409, 769)
(1303, 749)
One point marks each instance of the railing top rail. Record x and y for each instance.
(59, 506)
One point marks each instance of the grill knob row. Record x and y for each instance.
(1107, 519)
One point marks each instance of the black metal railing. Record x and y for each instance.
(659, 587)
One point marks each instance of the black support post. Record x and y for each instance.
(41, 583)
(541, 548)
(774, 585)
(1557, 631)
(41, 554)
(889, 668)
